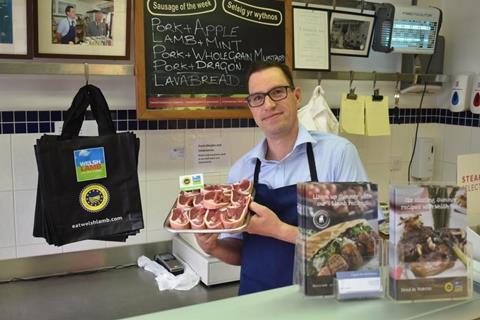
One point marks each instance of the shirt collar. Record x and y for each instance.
(260, 150)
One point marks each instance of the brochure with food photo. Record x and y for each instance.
(339, 232)
(427, 244)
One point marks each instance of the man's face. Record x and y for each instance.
(98, 16)
(275, 118)
(72, 14)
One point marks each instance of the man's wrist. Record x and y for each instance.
(287, 233)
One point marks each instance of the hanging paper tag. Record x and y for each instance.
(359, 285)
(90, 164)
(191, 182)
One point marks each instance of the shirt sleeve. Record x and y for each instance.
(350, 167)
(62, 27)
(231, 235)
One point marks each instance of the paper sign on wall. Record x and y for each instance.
(210, 153)
(468, 175)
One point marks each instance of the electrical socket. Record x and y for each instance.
(395, 163)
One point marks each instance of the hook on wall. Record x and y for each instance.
(363, 6)
(86, 72)
(397, 80)
(334, 4)
(351, 94)
(396, 96)
(376, 92)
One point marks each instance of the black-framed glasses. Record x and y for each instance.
(276, 94)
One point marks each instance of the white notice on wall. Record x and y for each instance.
(210, 153)
(310, 35)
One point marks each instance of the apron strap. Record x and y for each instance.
(311, 163)
(257, 171)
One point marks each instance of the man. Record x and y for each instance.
(97, 27)
(289, 154)
(66, 28)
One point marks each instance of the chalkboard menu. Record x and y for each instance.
(196, 53)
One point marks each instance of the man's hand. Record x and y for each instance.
(207, 241)
(228, 250)
(266, 223)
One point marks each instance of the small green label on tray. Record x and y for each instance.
(191, 182)
(90, 164)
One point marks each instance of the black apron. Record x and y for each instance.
(267, 263)
(70, 36)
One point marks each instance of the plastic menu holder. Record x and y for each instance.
(338, 232)
(350, 285)
(429, 251)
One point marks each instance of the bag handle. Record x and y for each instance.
(88, 95)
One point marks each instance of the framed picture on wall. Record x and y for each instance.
(16, 29)
(311, 49)
(351, 34)
(86, 29)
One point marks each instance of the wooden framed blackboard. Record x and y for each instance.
(192, 56)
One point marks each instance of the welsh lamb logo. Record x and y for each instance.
(90, 164)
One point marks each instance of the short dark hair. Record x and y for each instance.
(68, 8)
(263, 65)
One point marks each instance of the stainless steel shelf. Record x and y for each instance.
(339, 4)
(370, 76)
(49, 68)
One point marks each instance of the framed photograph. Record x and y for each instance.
(85, 29)
(16, 29)
(311, 48)
(351, 34)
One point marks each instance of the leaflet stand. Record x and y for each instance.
(430, 257)
(338, 232)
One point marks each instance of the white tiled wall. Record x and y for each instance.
(158, 175)
(5, 163)
(450, 141)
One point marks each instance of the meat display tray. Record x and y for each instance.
(239, 229)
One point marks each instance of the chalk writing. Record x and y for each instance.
(197, 47)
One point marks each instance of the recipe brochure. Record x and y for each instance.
(338, 233)
(427, 245)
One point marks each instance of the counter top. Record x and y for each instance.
(289, 303)
(101, 295)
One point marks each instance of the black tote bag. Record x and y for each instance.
(88, 186)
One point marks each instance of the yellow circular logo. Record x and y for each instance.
(448, 287)
(94, 198)
(186, 181)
